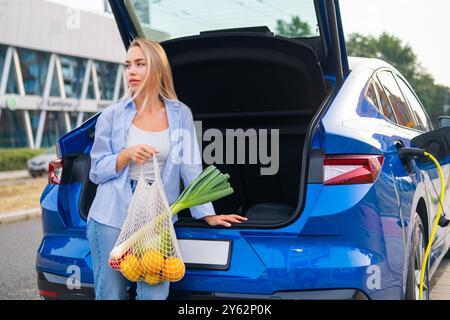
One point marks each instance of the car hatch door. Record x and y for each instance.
(335, 61)
(127, 21)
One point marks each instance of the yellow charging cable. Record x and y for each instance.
(436, 222)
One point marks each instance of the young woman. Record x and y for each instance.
(148, 120)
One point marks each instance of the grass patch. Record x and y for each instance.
(21, 194)
(16, 158)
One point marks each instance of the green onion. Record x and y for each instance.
(209, 186)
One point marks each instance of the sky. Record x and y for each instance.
(424, 25)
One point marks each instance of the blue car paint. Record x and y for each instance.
(342, 233)
(70, 208)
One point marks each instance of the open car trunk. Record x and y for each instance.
(251, 81)
(230, 80)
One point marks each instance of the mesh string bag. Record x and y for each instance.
(147, 248)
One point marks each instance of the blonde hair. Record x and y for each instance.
(158, 80)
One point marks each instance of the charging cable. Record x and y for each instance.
(416, 152)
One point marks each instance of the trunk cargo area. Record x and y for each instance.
(251, 81)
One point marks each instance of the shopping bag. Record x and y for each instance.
(147, 248)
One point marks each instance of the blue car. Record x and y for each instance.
(343, 215)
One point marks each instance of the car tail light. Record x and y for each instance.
(351, 169)
(48, 294)
(54, 171)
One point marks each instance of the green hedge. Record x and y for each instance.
(16, 159)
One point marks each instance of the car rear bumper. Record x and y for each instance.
(332, 294)
(55, 287)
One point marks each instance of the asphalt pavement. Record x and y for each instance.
(19, 242)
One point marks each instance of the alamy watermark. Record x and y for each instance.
(228, 146)
(73, 21)
(74, 280)
(373, 281)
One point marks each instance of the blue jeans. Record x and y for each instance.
(110, 284)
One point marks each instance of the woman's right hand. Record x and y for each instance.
(141, 153)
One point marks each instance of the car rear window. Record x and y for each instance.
(371, 95)
(170, 19)
(386, 108)
(416, 107)
(396, 99)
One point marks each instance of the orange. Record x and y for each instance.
(152, 262)
(152, 279)
(173, 269)
(130, 267)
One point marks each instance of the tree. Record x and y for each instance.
(295, 28)
(392, 50)
(386, 47)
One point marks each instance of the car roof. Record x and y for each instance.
(358, 63)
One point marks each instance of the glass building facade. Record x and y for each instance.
(43, 95)
(12, 130)
(34, 65)
(73, 73)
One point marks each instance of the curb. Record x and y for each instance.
(16, 174)
(16, 216)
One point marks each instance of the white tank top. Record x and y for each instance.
(160, 140)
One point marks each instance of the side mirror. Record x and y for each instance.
(444, 121)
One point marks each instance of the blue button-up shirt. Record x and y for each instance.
(114, 193)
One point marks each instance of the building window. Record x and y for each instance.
(73, 75)
(35, 115)
(88, 115)
(12, 129)
(54, 87)
(12, 84)
(54, 128)
(34, 65)
(90, 91)
(73, 119)
(3, 50)
(122, 89)
(106, 75)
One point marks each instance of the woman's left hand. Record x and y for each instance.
(224, 219)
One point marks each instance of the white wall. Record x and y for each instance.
(46, 26)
